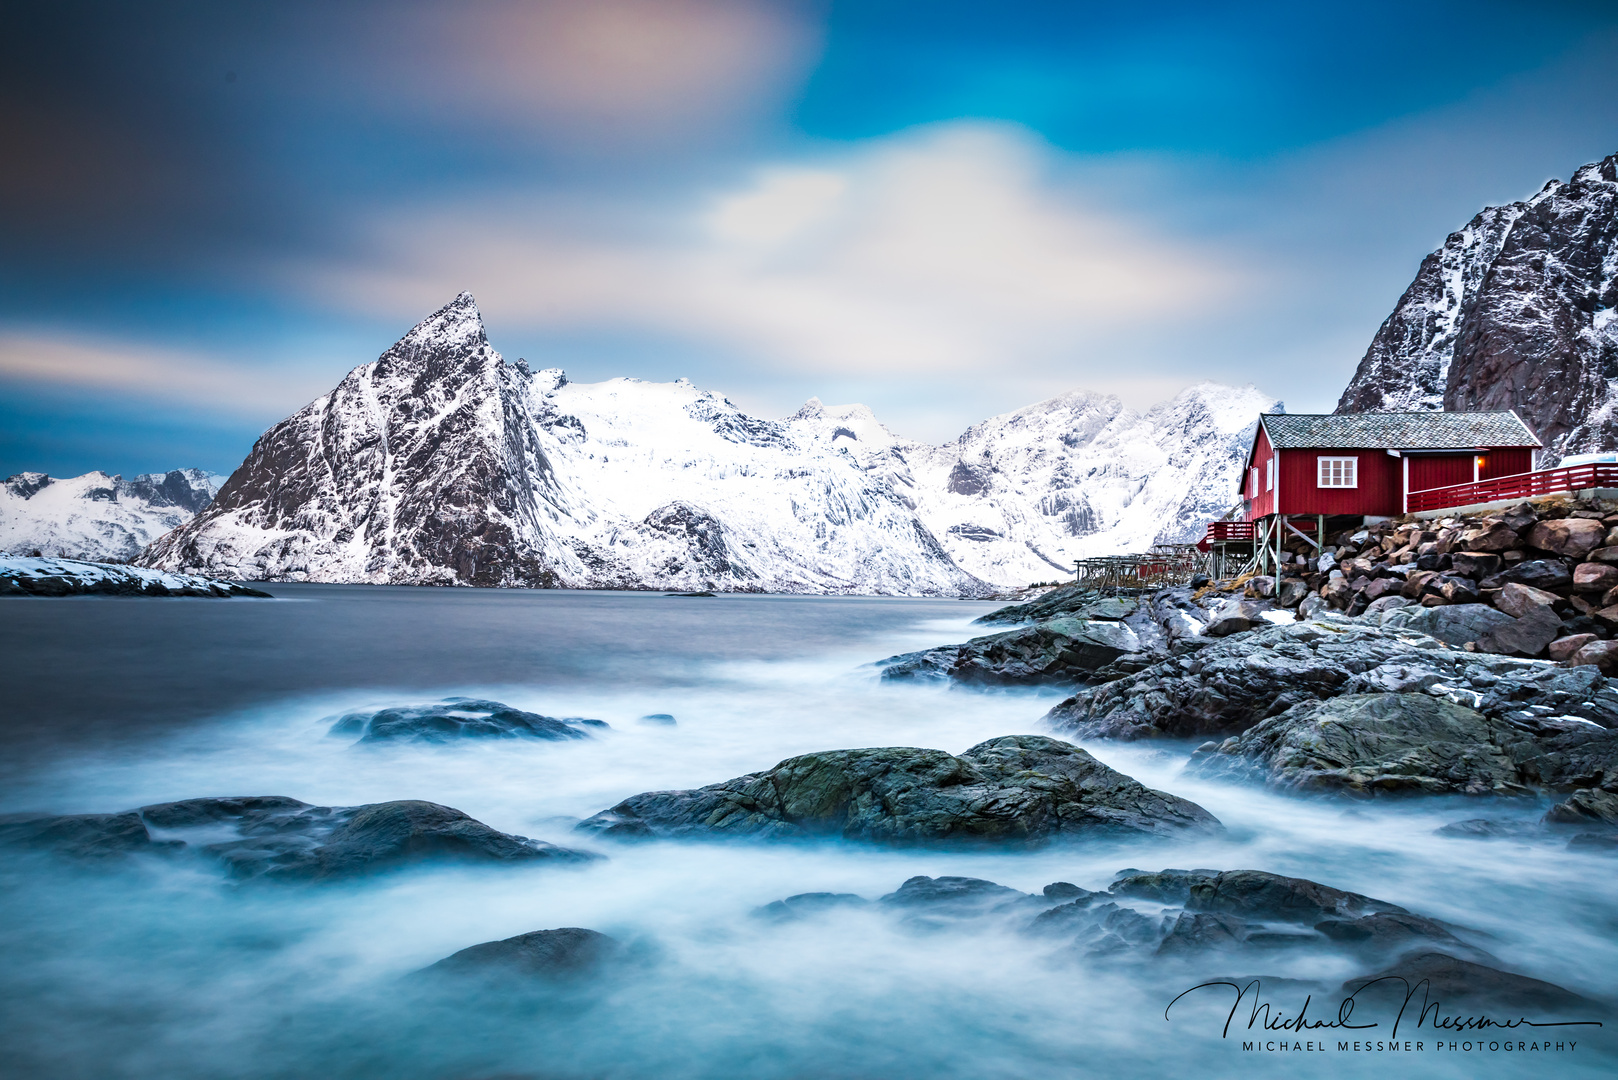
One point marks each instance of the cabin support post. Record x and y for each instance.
(1320, 527)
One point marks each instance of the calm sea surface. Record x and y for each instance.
(162, 968)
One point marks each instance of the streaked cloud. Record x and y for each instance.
(945, 251)
(165, 375)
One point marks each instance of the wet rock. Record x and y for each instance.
(804, 905)
(1518, 600)
(661, 718)
(1451, 981)
(1526, 636)
(571, 952)
(1068, 601)
(459, 718)
(1588, 807)
(283, 839)
(1375, 744)
(1485, 829)
(1019, 788)
(1065, 892)
(954, 892)
(80, 836)
(1202, 933)
(1164, 886)
(1568, 536)
(1059, 651)
(1257, 894)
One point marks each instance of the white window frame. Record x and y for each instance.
(1269, 473)
(1252, 477)
(1337, 472)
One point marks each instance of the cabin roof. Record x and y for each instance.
(1397, 430)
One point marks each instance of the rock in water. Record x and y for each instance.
(1058, 651)
(1456, 982)
(459, 718)
(280, 838)
(568, 953)
(1019, 788)
(83, 836)
(1370, 744)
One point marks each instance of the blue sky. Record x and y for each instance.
(210, 212)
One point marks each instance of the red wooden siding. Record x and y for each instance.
(1439, 470)
(1379, 476)
(1498, 463)
(1263, 501)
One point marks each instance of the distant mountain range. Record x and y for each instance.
(1518, 310)
(97, 516)
(441, 463)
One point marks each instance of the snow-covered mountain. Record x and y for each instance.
(1517, 310)
(440, 463)
(1019, 497)
(95, 516)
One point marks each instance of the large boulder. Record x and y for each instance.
(459, 718)
(1601, 655)
(1568, 536)
(1376, 744)
(1236, 616)
(277, 838)
(84, 836)
(1594, 577)
(1525, 636)
(1456, 624)
(550, 955)
(1019, 788)
(1546, 574)
(1586, 807)
(1067, 601)
(1437, 977)
(1517, 600)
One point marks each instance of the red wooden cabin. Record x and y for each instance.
(1305, 469)
(1366, 464)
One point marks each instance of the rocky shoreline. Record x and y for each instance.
(44, 577)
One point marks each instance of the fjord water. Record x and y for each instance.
(160, 967)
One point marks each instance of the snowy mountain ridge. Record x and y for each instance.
(97, 516)
(440, 463)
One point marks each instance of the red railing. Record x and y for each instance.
(1225, 531)
(1521, 486)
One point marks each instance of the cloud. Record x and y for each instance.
(165, 375)
(952, 250)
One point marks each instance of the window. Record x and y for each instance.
(1338, 472)
(1252, 482)
(1269, 474)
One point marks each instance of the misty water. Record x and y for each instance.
(162, 967)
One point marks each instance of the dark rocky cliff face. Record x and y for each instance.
(1518, 310)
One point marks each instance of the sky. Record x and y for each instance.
(211, 211)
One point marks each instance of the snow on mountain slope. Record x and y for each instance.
(1019, 497)
(95, 516)
(1515, 311)
(440, 463)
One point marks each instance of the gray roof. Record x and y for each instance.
(1397, 430)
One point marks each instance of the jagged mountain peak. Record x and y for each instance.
(1514, 311)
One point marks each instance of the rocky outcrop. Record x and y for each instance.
(1015, 789)
(569, 953)
(1064, 602)
(27, 576)
(1376, 744)
(1515, 311)
(273, 837)
(459, 718)
(1063, 651)
(1220, 688)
